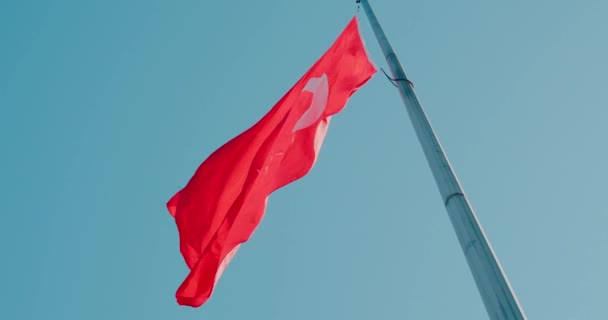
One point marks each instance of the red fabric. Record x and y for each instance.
(225, 200)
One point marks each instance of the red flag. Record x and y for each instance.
(225, 200)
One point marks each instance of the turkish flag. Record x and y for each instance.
(225, 200)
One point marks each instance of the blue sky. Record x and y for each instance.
(109, 106)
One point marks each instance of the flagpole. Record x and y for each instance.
(498, 297)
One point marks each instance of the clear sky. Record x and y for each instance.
(107, 108)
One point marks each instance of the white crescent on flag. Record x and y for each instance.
(320, 92)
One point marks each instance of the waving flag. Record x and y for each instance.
(225, 200)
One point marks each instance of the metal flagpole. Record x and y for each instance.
(496, 292)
